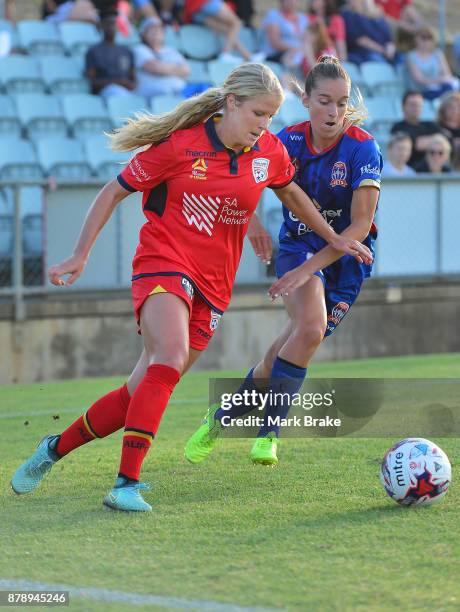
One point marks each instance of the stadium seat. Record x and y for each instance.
(199, 42)
(198, 72)
(131, 40)
(63, 158)
(40, 115)
(85, 114)
(105, 163)
(18, 160)
(383, 112)
(63, 75)
(32, 235)
(6, 236)
(172, 38)
(293, 111)
(39, 38)
(164, 104)
(276, 67)
(20, 74)
(77, 36)
(356, 77)
(219, 71)
(121, 107)
(248, 37)
(381, 79)
(9, 121)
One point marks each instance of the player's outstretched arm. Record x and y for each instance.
(363, 208)
(260, 239)
(98, 215)
(297, 201)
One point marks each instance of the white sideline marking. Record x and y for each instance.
(136, 599)
(13, 415)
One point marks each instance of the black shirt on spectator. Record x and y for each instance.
(110, 61)
(423, 128)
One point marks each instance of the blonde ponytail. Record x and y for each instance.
(245, 81)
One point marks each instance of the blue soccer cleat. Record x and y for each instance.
(29, 475)
(125, 496)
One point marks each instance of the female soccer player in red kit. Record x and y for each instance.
(202, 174)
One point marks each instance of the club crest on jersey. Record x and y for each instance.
(339, 175)
(199, 169)
(338, 312)
(214, 322)
(188, 287)
(260, 169)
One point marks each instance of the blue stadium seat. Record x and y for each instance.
(63, 158)
(18, 160)
(32, 235)
(198, 72)
(39, 38)
(40, 115)
(6, 236)
(293, 111)
(172, 38)
(77, 36)
(355, 75)
(164, 104)
(131, 40)
(276, 67)
(63, 75)
(105, 163)
(20, 74)
(85, 114)
(383, 112)
(249, 39)
(9, 121)
(219, 71)
(199, 42)
(121, 107)
(381, 79)
(7, 26)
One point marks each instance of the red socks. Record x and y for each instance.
(104, 417)
(144, 415)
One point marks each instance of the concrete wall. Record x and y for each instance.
(73, 335)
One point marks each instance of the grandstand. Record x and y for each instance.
(51, 133)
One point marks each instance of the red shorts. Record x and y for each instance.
(204, 319)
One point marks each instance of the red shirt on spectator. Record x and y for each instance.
(335, 28)
(191, 6)
(393, 8)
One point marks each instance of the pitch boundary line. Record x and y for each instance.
(136, 599)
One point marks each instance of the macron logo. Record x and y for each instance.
(200, 211)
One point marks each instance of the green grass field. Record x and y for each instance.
(315, 533)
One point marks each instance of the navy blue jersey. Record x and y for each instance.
(329, 178)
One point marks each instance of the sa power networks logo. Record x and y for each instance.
(200, 211)
(339, 175)
(199, 169)
(260, 169)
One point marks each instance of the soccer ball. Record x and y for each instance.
(416, 471)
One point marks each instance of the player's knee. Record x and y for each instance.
(310, 334)
(173, 356)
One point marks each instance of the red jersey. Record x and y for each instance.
(191, 6)
(393, 8)
(198, 197)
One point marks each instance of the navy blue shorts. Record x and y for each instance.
(338, 299)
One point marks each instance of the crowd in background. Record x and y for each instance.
(293, 34)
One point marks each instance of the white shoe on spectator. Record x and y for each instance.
(228, 58)
(258, 57)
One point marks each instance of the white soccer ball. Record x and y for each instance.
(416, 471)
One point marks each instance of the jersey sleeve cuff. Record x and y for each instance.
(125, 185)
(282, 185)
(369, 183)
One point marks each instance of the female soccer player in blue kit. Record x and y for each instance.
(338, 166)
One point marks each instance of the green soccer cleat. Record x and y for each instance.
(30, 474)
(201, 443)
(264, 450)
(125, 497)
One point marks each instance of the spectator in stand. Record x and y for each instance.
(449, 118)
(57, 11)
(160, 69)
(456, 159)
(285, 34)
(401, 14)
(428, 68)
(319, 43)
(419, 131)
(220, 18)
(437, 156)
(110, 66)
(169, 11)
(327, 12)
(369, 37)
(244, 9)
(142, 8)
(456, 53)
(399, 150)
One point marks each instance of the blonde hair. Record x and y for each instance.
(446, 101)
(440, 140)
(246, 81)
(329, 67)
